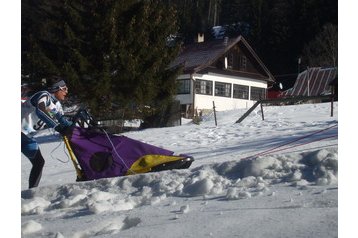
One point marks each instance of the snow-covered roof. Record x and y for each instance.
(199, 56)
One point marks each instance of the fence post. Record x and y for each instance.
(216, 123)
(262, 111)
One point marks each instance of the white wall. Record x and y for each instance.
(221, 103)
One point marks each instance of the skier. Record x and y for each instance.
(43, 108)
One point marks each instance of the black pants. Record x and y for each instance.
(36, 171)
(31, 150)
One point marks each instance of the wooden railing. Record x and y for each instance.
(286, 100)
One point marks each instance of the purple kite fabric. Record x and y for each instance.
(103, 155)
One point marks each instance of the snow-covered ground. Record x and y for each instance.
(271, 178)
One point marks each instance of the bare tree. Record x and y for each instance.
(323, 49)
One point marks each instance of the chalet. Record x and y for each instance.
(225, 71)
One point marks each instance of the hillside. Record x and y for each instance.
(272, 178)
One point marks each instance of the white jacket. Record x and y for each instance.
(34, 118)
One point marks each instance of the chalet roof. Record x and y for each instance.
(199, 56)
(312, 82)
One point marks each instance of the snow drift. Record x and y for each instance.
(225, 193)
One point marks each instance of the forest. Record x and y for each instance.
(115, 54)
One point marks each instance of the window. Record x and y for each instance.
(183, 86)
(241, 91)
(258, 93)
(230, 61)
(204, 87)
(222, 89)
(243, 62)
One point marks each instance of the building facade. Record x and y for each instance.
(225, 72)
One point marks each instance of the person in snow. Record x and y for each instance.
(40, 110)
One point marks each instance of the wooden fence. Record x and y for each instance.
(329, 97)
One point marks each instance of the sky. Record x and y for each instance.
(277, 177)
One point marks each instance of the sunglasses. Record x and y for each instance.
(64, 88)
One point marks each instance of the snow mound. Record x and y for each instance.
(109, 227)
(30, 227)
(241, 179)
(319, 167)
(225, 193)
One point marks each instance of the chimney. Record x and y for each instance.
(200, 38)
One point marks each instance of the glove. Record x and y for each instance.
(63, 120)
(64, 130)
(65, 127)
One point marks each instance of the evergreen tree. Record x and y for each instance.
(37, 43)
(323, 49)
(141, 56)
(111, 52)
(232, 11)
(276, 39)
(114, 54)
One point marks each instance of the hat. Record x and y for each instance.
(55, 83)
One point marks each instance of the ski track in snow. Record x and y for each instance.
(222, 185)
